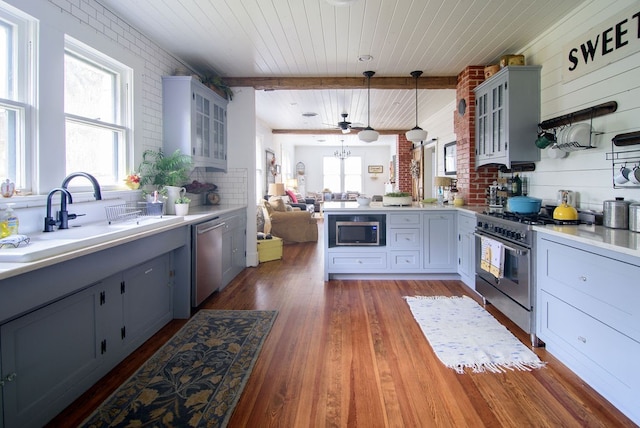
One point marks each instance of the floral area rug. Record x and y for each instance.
(465, 336)
(195, 379)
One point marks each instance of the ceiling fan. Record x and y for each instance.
(345, 125)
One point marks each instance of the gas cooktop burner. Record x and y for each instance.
(530, 219)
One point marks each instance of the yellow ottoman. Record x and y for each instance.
(269, 249)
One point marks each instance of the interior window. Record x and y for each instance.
(96, 114)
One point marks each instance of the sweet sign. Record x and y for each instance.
(610, 41)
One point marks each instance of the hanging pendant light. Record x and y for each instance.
(417, 134)
(368, 134)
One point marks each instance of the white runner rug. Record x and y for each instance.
(464, 335)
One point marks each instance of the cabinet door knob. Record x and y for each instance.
(583, 278)
(8, 378)
(582, 339)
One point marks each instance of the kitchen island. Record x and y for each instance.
(415, 241)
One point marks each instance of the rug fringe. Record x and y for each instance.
(498, 368)
(433, 297)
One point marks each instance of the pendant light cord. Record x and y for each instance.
(369, 74)
(416, 74)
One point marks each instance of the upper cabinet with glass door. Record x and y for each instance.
(194, 121)
(507, 116)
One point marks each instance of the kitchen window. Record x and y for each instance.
(16, 81)
(97, 113)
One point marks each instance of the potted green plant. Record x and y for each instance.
(165, 173)
(217, 84)
(182, 205)
(396, 199)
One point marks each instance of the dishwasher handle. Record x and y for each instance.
(209, 229)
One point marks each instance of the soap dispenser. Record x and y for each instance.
(10, 222)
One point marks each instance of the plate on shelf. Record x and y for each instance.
(580, 133)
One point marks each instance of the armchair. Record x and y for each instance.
(290, 226)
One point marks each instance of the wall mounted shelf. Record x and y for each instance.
(580, 115)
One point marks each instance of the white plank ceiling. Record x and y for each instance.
(314, 38)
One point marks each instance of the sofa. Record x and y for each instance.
(291, 225)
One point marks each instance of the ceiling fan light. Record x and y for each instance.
(416, 135)
(368, 135)
(346, 130)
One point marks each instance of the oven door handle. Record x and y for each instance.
(519, 251)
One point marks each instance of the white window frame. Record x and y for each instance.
(123, 104)
(22, 100)
(342, 174)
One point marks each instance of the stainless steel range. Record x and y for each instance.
(511, 292)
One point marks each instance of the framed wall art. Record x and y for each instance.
(374, 169)
(450, 158)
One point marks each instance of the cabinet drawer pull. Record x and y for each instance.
(582, 339)
(148, 271)
(583, 278)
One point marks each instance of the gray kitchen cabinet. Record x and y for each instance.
(204, 135)
(439, 249)
(50, 351)
(147, 300)
(466, 248)
(51, 355)
(417, 242)
(404, 239)
(507, 116)
(587, 314)
(233, 246)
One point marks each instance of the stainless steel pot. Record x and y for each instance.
(616, 213)
(634, 217)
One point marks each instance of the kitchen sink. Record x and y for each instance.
(49, 244)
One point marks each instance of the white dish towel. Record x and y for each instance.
(492, 257)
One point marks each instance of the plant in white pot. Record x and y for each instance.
(166, 173)
(396, 199)
(182, 205)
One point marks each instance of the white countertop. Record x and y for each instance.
(196, 215)
(352, 206)
(619, 240)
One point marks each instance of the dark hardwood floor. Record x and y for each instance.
(348, 353)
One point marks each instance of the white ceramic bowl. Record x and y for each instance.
(363, 200)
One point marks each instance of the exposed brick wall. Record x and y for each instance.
(472, 183)
(403, 168)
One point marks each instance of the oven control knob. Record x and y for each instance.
(519, 236)
(509, 233)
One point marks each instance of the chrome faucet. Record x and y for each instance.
(96, 187)
(49, 221)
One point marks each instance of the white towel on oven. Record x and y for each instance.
(492, 259)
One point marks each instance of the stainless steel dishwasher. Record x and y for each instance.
(207, 261)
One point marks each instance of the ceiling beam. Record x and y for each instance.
(302, 83)
(330, 131)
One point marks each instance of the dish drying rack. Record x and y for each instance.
(577, 116)
(132, 211)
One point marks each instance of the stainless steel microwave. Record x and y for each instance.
(358, 233)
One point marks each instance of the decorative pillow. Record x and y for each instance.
(292, 196)
(260, 218)
(267, 221)
(267, 206)
(277, 204)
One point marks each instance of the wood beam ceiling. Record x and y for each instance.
(302, 83)
(333, 131)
